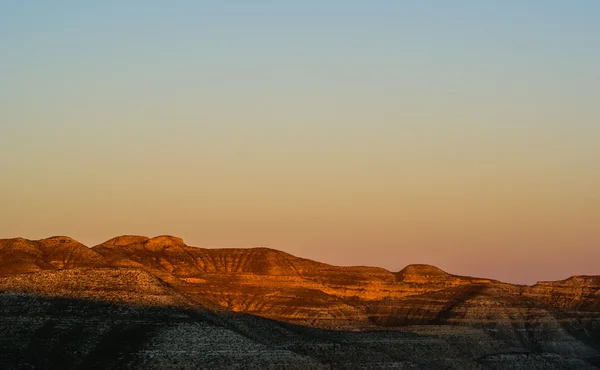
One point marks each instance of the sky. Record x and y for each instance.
(462, 134)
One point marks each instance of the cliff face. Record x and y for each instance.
(580, 293)
(21, 255)
(275, 284)
(476, 322)
(59, 333)
(108, 284)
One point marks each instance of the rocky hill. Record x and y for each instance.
(478, 322)
(21, 255)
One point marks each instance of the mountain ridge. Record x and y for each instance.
(477, 319)
(169, 240)
(275, 284)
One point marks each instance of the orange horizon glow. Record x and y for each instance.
(381, 134)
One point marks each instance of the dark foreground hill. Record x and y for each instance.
(135, 302)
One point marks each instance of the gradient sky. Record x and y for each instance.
(464, 134)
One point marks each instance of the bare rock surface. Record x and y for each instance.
(21, 255)
(138, 302)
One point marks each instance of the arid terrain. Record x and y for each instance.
(136, 302)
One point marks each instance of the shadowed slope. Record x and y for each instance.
(108, 284)
(577, 293)
(272, 283)
(462, 322)
(60, 333)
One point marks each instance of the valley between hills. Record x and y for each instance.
(137, 302)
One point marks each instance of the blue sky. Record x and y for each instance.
(341, 131)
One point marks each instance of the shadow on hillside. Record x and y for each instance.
(66, 333)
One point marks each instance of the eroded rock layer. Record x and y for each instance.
(493, 323)
(271, 283)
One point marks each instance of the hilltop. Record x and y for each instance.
(560, 318)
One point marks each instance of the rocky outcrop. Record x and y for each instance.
(21, 255)
(277, 285)
(421, 274)
(108, 284)
(59, 333)
(472, 322)
(580, 293)
(272, 283)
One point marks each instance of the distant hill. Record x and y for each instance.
(561, 318)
